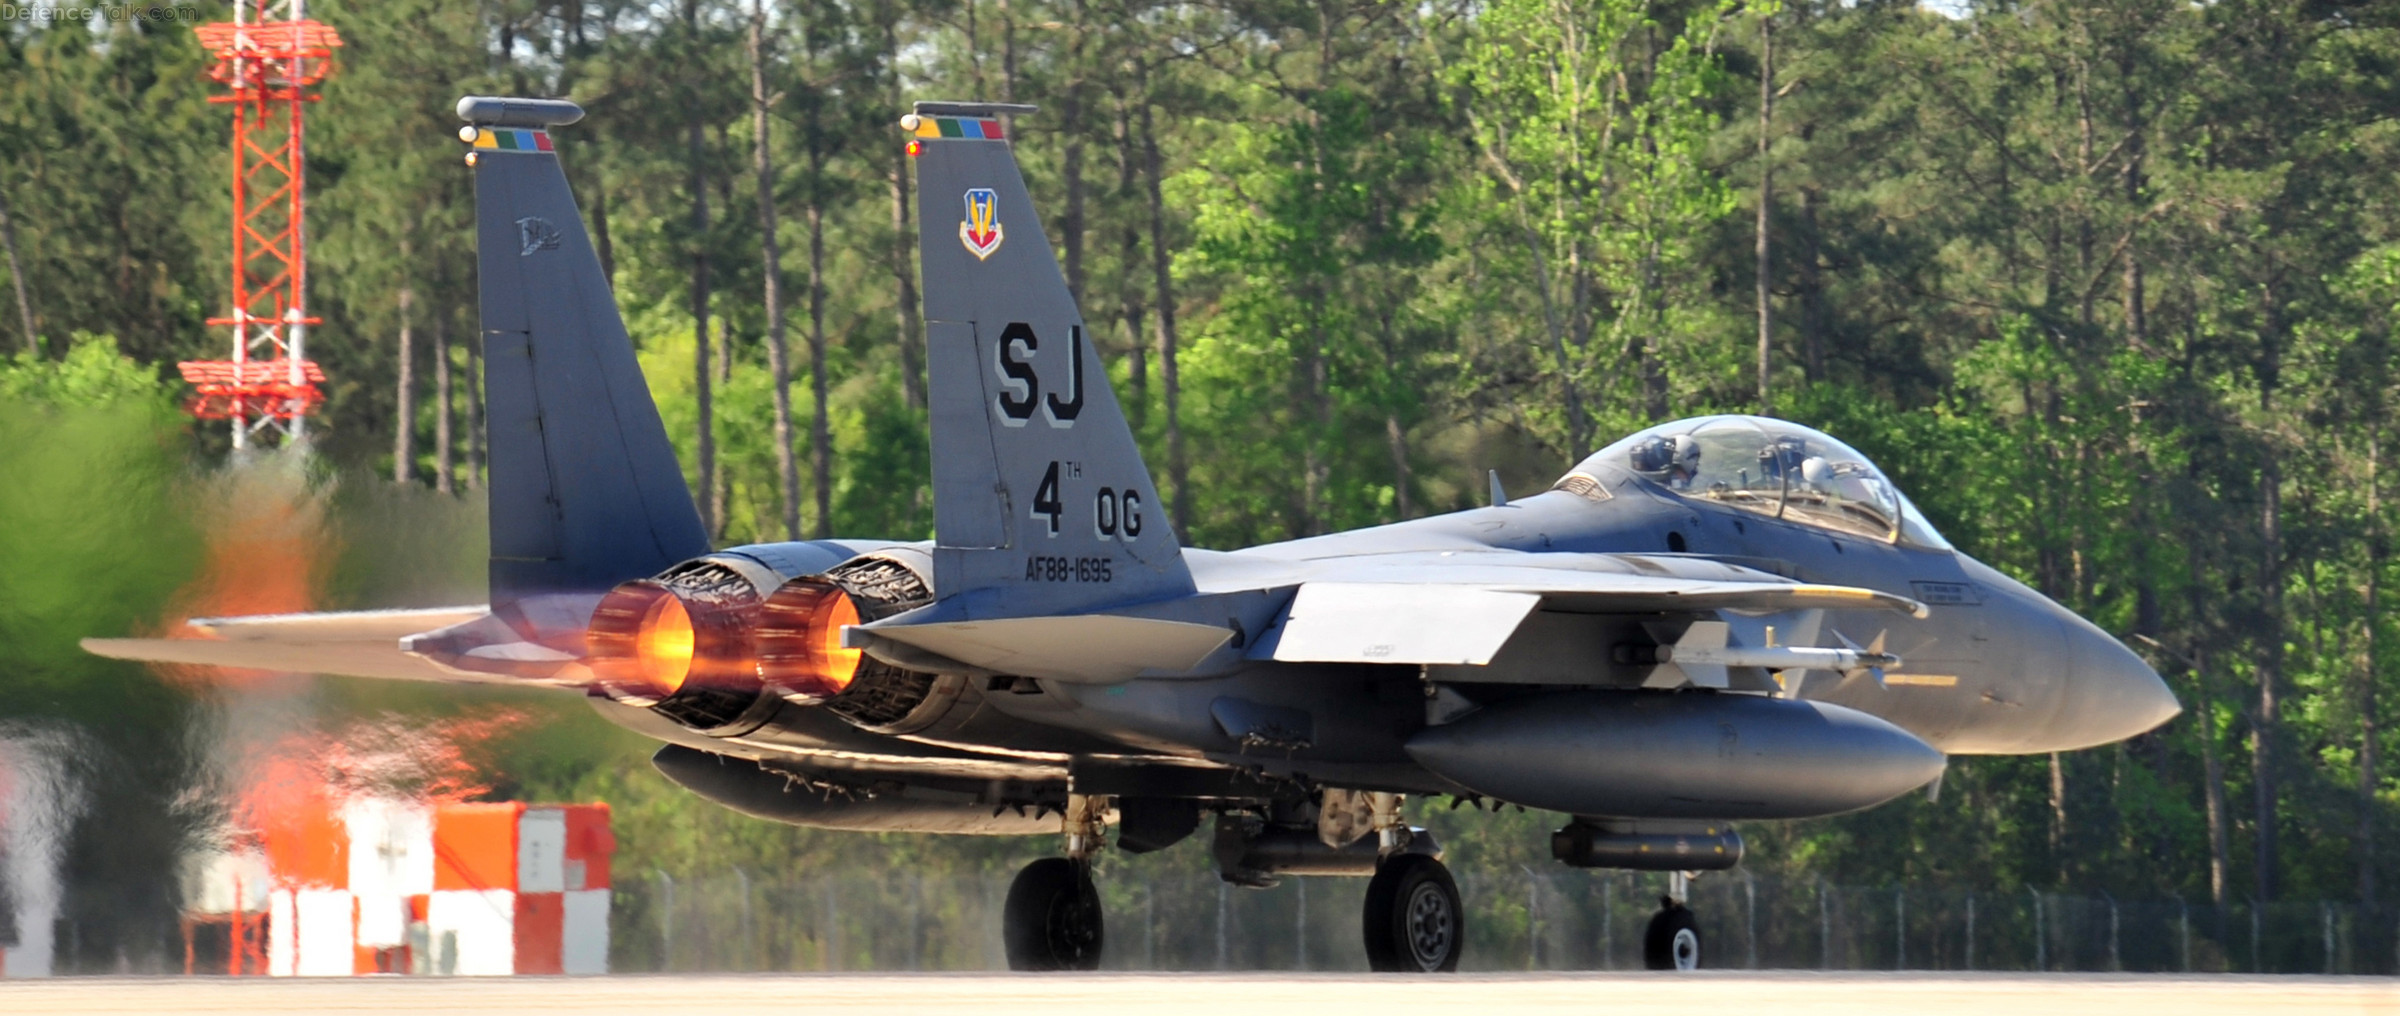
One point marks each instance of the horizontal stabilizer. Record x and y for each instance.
(1095, 648)
(351, 659)
(1358, 622)
(362, 643)
(336, 626)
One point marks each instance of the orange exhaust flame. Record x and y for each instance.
(268, 552)
(664, 644)
(800, 639)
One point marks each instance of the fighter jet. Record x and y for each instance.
(1713, 621)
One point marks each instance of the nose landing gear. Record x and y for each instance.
(1413, 919)
(1672, 942)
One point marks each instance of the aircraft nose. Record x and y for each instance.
(2113, 694)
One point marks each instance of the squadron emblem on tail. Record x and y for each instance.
(980, 230)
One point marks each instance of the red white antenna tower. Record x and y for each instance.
(270, 57)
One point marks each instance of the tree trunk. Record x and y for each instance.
(770, 250)
(704, 452)
(1161, 264)
(2058, 815)
(601, 239)
(2220, 838)
(2137, 316)
(820, 440)
(2264, 723)
(1129, 295)
(1813, 323)
(2367, 673)
(1766, 200)
(404, 429)
(476, 438)
(1395, 435)
(1008, 57)
(442, 398)
(16, 275)
(903, 252)
(1070, 126)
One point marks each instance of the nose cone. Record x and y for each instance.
(2111, 693)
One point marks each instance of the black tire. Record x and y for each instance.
(1052, 918)
(1673, 940)
(1414, 923)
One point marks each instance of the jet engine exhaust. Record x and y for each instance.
(652, 641)
(717, 643)
(800, 639)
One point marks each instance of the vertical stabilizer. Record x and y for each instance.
(585, 491)
(1038, 489)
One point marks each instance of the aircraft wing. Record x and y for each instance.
(1464, 614)
(363, 643)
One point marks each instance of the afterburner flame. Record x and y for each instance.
(800, 639)
(663, 646)
(651, 641)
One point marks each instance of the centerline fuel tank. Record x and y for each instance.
(1637, 754)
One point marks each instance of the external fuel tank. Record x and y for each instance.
(1641, 754)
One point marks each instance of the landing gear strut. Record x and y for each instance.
(1672, 941)
(1052, 918)
(1413, 920)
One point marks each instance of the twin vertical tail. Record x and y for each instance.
(1041, 502)
(585, 491)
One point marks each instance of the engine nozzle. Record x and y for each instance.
(719, 644)
(653, 641)
(800, 639)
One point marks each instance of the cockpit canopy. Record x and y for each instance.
(1772, 468)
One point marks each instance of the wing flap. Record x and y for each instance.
(1361, 622)
(1463, 617)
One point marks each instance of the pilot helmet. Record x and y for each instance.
(1687, 455)
(1651, 456)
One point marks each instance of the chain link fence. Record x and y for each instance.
(1523, 920)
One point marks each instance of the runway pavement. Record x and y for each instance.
(1704, 994)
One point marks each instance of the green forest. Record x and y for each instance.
(2110, 287)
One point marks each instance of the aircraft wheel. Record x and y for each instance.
(1673, 941)
(1052, 918)
(1414, 922)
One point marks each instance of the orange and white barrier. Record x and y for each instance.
(399, 887)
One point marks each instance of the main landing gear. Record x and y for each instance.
(1413, 920)
(1052, 918)
(1672, 942)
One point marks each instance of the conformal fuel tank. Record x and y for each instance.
(1633, 754)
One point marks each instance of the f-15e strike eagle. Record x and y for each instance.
(1714, 620)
